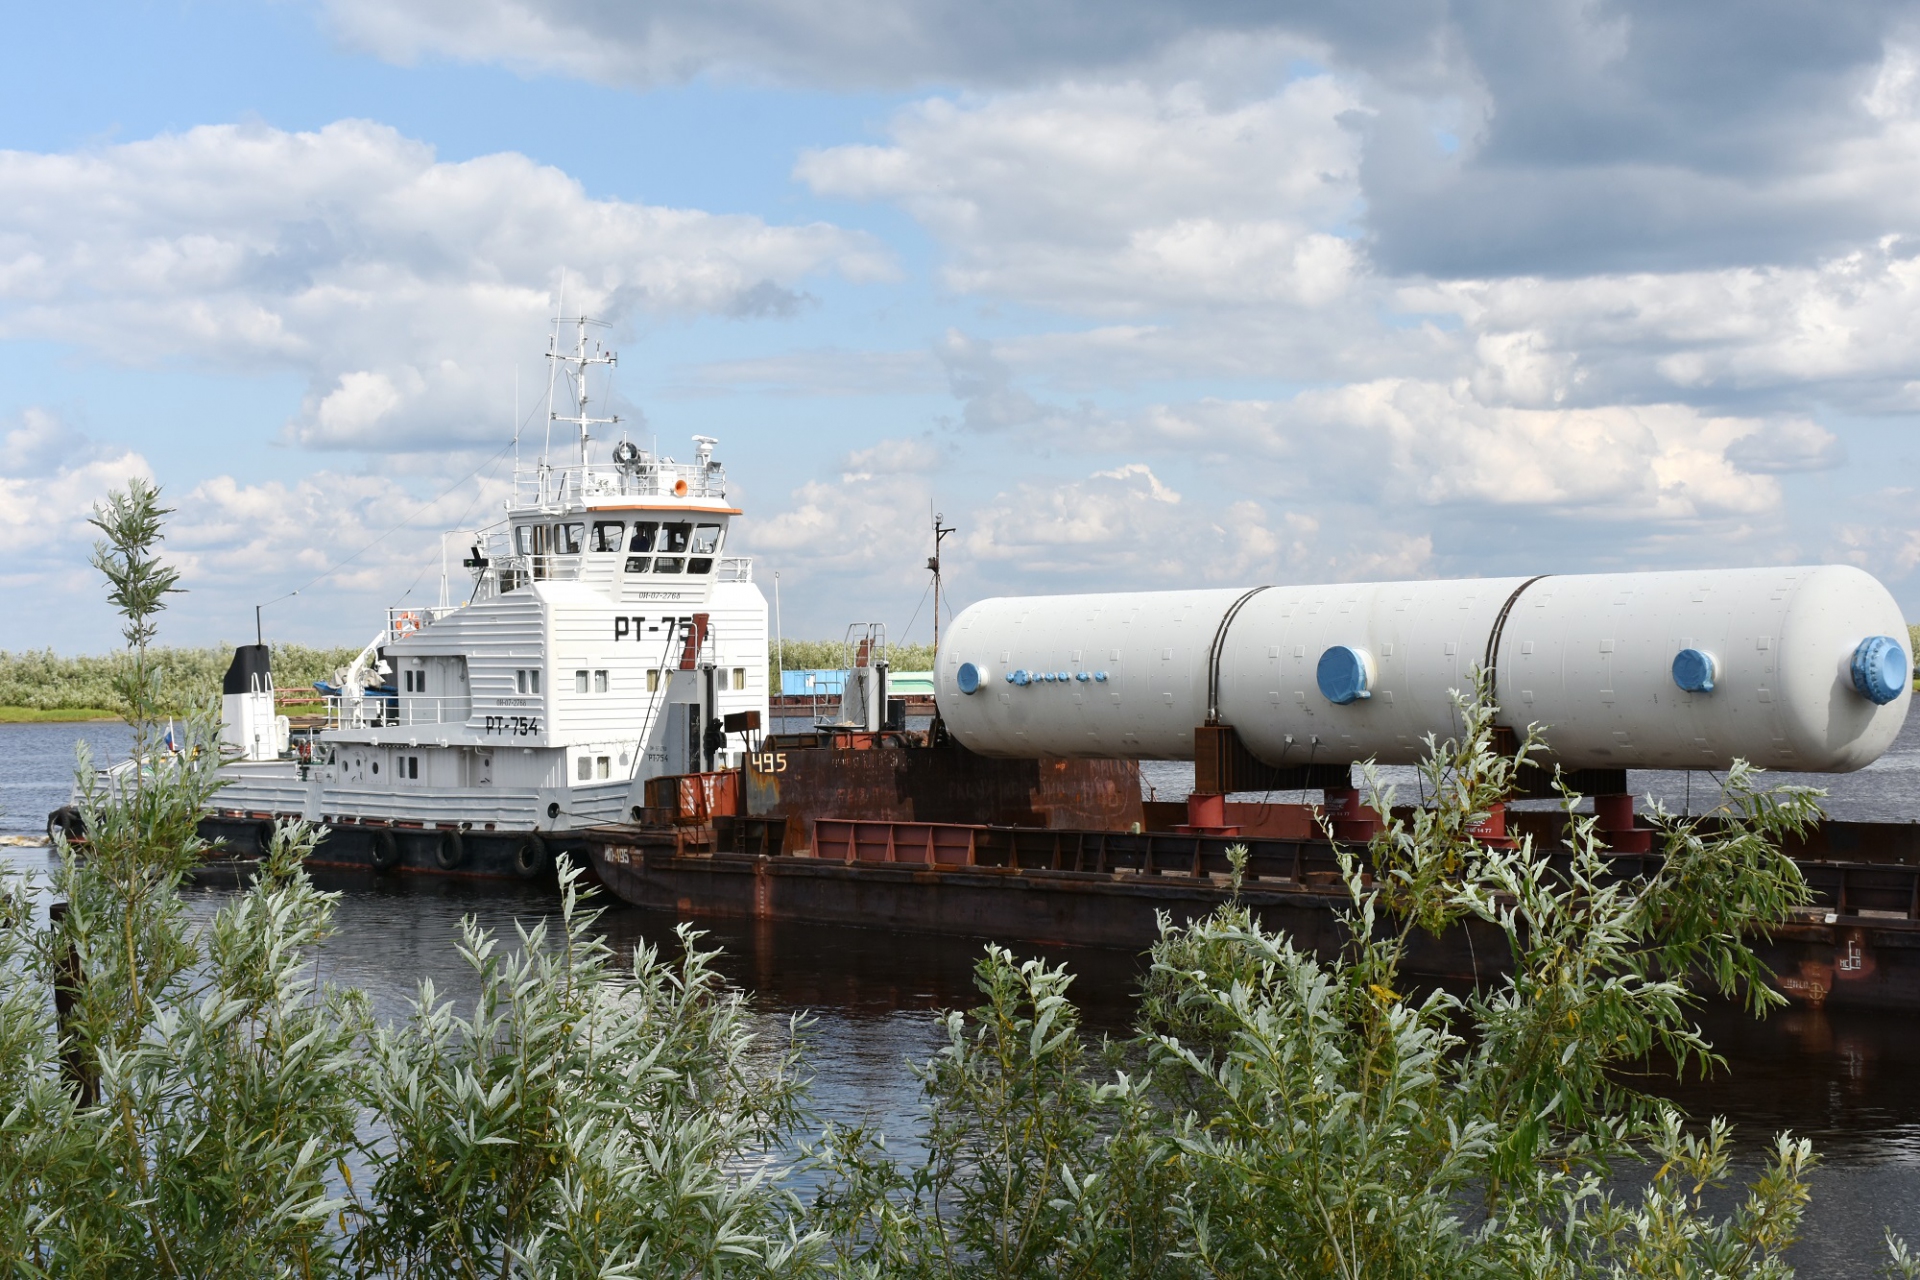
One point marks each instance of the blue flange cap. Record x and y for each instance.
(970, 677)
(1880, 669)
(1342, 675)
(1082, 676)
(1693, 670)
(1100, 676)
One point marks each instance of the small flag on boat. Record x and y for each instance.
(172, 742)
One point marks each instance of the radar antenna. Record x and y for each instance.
(575, 365)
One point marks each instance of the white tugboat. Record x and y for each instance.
(608, 640)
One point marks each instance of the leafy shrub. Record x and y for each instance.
(831, 655)
(47, 681)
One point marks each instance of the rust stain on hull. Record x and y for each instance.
(938, 784)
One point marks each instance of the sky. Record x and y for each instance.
(1136, 294)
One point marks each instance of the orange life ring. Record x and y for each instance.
(406, 623)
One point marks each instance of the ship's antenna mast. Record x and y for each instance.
(577, 368)
(553, 365)
(940, 532)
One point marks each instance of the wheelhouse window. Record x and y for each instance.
(608, 535)
(706, 540)
(567, 538)
(639, 564)
(674, 537)
(530, 539)
(645, 534)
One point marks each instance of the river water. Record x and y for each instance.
(1846, 1080)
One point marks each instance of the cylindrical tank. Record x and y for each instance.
(1794, 668)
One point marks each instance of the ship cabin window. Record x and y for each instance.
(602, 766)
(579, 682)
(653, 682)
(530, 539)
(739, 677)
(567, 539)
(527, 681)
(706, 541)
(413, 681)
(583, 768)
(645, 534)
(674, 537)
(600, 682)
(608, 535)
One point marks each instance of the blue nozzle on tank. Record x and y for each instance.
(1342, 675)
(971, 676)
(1880, 669)
(1693, 670)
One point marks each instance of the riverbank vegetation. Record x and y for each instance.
(832, 655)
(86, 687)
(194, 1101)
(38, 685)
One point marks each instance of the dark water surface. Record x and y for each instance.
(1848, 1080)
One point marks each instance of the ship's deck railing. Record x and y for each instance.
(404, 622)
(647, 478)
(736, 569)
(376, 710)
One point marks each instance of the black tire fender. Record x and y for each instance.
(531, 858)
(383, 850)
(449, 851)
(263, 837)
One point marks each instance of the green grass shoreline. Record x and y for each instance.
(56, 715)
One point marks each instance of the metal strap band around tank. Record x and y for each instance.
(1213, 654)
(1491, 665)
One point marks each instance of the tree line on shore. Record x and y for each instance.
(187, 1097)
(43, 680)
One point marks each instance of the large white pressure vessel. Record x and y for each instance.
(1796, 668)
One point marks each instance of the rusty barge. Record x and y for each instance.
(881, 831)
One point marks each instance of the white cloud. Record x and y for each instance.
(50, 478)
(1116, 198)
(919, 456)
(1435, 444)
(403, 287)
(837, 43)
(1850, 324)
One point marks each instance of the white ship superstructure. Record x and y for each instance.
(607, 640)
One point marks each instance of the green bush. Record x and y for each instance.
(47, 681)
(831, 655)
